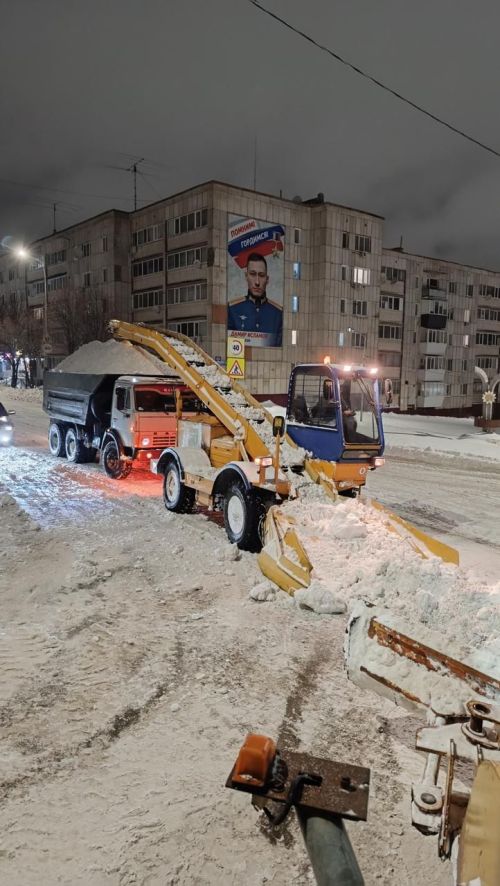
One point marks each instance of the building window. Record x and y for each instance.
(362, 243)
(86, 279)
(358, 340)
(432, 362)
(389, 358)
(296, 270)
(432, 389)
(488, 314)
(360, 308)
(296, 235)
(452, 287)
(466, 341)
(489, 291)
(345, 240)
(104, 275)
(467, 315)
(55, 258)
(341, 339)
(361, 276)
(464, 389)
(470, 290)
(54, 283)
(416, 282)
(189, 292)
(195, 329)
(105, 243)
(448, 390)
(150, 298)
(391, 302)
(295, 304)
(85, 250)
(12, 274)
(187, 258)
(342, 305)
(449, 365)
(38, 313)
(344, 273)
(182, 224)
(490, 339)
(395, 275)
(147, 235)
(487, 362)
(387, 331)
(294, 336)
(147, 266)
(464, 365)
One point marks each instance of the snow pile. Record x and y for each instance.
(319, 599)
(113, 358)
(26, 395)
(356, 557)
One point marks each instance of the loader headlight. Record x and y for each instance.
(378, 462)
(265, 461)
(3, 418)
(145, 441)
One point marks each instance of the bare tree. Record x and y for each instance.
(80, 316)
(20, 337)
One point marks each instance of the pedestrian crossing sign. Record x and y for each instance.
(236, 367)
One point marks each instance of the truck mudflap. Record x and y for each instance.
(282, 559)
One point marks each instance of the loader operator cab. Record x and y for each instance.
(334, 412)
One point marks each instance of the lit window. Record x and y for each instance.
(294, 336)
(466, 341)
(296, 270)
(295, 304)
(361, 276)
(341, 339)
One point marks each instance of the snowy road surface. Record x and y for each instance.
(133, 663)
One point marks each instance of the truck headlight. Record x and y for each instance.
(145, 441)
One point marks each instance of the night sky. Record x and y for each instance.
(190, 84)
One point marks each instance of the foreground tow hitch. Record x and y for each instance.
(322, 792)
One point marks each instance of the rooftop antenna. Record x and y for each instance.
(133, 170)
(54, 207)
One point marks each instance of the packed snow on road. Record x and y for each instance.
(139, 647)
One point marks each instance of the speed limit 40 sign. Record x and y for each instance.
(235, 347)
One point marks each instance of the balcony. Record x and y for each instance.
(433, 321)
(433, 348)
(431, 292)
(430, 374)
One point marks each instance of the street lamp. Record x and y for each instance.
(24, 255)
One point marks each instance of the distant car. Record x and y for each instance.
(6, 426)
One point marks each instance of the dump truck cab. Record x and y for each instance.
(334, 413)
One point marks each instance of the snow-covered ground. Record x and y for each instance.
(133, 662)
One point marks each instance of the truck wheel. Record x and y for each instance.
(56, 440)
(243, 512)
(113, 465)
(75, 449)
(176, 496)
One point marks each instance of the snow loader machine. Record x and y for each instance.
(233, 457)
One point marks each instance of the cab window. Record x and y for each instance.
(123, 399)
(312, 399)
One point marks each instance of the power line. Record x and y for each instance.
(374, 80)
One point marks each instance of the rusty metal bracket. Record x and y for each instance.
(341, 788)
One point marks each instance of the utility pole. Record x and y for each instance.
(133, 170)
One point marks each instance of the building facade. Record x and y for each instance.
(332, 289)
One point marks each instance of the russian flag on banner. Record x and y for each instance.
(246, 237)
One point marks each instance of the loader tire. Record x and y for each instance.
(114, 467)
(76, 451)
(56, 440)
(243, 514)
(176, 497)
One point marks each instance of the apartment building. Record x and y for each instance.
(180, 263)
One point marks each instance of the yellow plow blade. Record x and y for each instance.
(283, 560)
(422, 543)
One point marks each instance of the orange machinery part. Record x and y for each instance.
(255, 760)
